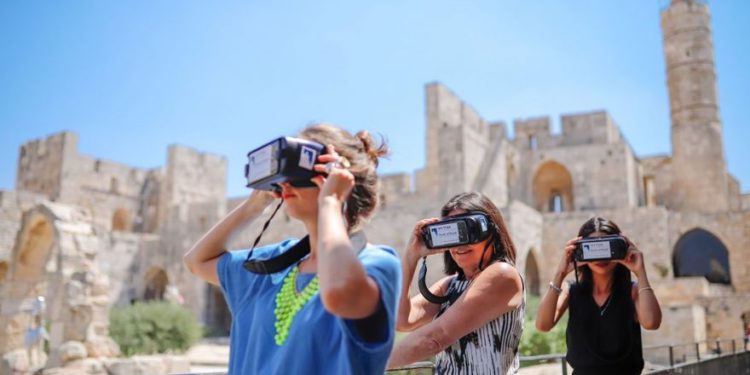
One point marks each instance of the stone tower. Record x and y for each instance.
(699, 170)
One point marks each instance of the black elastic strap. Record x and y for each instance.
(279, 263)
(425, 291)
(481, 260)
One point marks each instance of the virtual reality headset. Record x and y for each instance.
(601, 248)
(285, 159)
(457, 230)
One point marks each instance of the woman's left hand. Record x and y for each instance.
(633, 259)
(339, 181)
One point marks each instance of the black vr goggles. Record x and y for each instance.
(601, 248)
(456, 231)
(281, 160)
(285, 159)
(464, 229)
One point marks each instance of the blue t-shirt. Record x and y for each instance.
(318, 342)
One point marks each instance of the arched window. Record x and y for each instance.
(700, 253)
(218, 316)
(555, 202)
(121, 220)
(34, 249)
(531, 273)
(553, 188)
(114, 185)
(156, 284)
(3, 270)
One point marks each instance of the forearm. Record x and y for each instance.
(213, 243)
(646, 304)
(545, 316)
(417, 346)
(344, 285)
(403, 321)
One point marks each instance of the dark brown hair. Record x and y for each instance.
(622, 280)
(362, 153)
(502, 245)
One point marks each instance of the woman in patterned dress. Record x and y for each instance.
(478, 329)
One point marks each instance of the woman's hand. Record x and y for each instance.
(633, 259)
(339, 181)
(416, 248)
(566, 262)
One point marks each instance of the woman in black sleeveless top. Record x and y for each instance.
(607, 309)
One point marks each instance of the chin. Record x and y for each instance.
(295, 212)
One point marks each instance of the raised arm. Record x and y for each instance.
(345, 288)
(415, 312)
(555, 301)
(500, 283)
(647, 306)
(201, 259)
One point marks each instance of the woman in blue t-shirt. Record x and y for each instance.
(607, 309)
(332, 312)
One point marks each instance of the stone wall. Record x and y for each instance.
(730, 228)
(681, 324)
(12, 206)
(659, 169)
(40, 164)
(104, 188)
(55, 259)
(589, 128)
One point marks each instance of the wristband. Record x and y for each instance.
(554, 287)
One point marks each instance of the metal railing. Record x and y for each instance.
(414, 368)
(557, 357)
(673, 355)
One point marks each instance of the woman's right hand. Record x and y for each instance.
(566, 263)
(416, 248)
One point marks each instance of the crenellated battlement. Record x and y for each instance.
(596, 127)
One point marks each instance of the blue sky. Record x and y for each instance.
(131, 77)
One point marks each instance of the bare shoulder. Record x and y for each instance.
(500, 274)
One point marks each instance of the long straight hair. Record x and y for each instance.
(621, 282)
(502, 245)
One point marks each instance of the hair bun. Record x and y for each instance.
(368, 145)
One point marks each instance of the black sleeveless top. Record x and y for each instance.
(604, 340)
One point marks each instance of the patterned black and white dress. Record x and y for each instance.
(492, 349)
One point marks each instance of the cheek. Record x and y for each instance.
(308, 197)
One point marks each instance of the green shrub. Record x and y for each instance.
(534, 342)
(153, 327)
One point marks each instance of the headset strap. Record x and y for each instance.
(425, 291)
(296, 253)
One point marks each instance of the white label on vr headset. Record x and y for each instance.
(596, 250)
(307, 157)
(261, 164)
(444, 234)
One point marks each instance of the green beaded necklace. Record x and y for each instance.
(289, 302)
